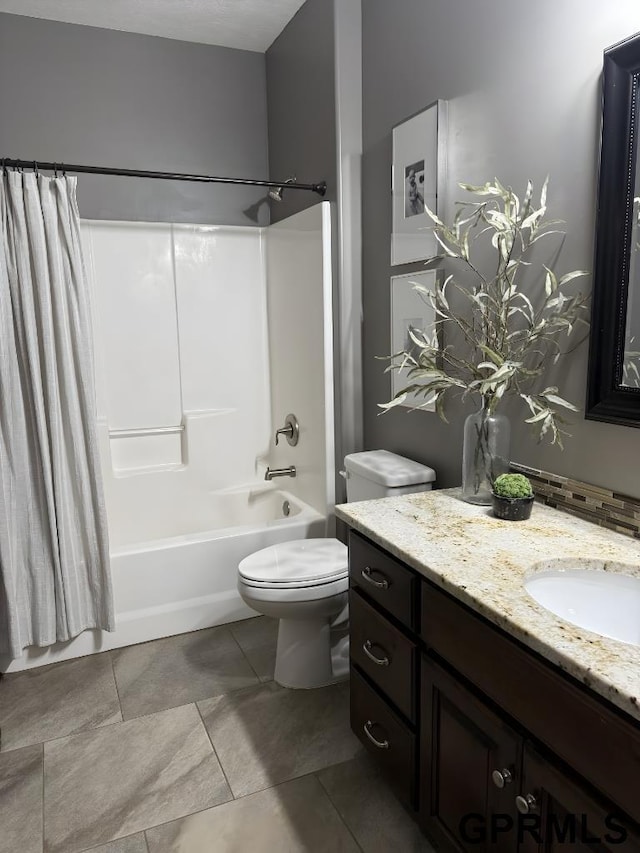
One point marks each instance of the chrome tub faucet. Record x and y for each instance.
(270, 473)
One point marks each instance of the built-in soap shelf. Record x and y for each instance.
(142, 448)
(208, 441)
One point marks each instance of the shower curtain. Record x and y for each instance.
(54, 556)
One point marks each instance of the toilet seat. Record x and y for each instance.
(293, 594)
(296, 565)
(293, 584)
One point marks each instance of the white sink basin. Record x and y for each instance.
(605, 602)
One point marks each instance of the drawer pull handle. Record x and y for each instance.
(366, 574)
(502, 777)
(381, 744)
(366, 648)
(526, 804)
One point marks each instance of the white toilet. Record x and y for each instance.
(304, 583)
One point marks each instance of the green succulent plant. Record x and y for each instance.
(512, 486)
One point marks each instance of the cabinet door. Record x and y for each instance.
(469, 768)
(558, 815)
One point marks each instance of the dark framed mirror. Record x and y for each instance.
(614, 353)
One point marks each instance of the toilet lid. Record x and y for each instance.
(301, 562)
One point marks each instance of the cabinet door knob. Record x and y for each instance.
(526, 804)
(367, 646)
(381, 744)
(366, 574)
(502, 777)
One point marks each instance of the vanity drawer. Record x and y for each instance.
(385, 736)
(591, 736)
(383, 653)
(383, 579)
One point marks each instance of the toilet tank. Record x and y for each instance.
(381, 474)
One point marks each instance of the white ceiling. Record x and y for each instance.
(244, 24)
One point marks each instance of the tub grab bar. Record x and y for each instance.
(133, 433)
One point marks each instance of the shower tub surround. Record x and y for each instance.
(185, 578)
(483, 562)
(194, 372)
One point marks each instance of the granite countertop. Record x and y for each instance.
(483, 562)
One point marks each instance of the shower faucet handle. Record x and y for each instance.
(288, 431)
(291, 429)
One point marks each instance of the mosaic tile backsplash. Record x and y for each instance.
(592, 503)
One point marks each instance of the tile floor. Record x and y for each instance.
(187, 745)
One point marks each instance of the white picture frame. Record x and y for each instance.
(410, 309)
(417, 179)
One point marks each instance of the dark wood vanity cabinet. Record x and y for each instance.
(384, 580)
(384, 678)
(494, 748)
(563, 815)
(485, 787)
(462, 743)
(387, 736)
(385, 654)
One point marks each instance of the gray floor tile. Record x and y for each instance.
(133, 844)
(178, 670)
(57, 700)
(295, 817)
(370, 809)
(258, 639)
(119, 780)
(21, 801)
(268, 734)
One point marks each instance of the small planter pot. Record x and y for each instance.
(512, 509)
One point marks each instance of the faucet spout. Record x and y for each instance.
(270, 473)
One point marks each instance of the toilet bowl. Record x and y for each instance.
(304, 583)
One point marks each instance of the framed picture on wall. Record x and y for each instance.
(409, 310)
(417, 179)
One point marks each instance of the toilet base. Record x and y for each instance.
(309, 654)
(340, 658)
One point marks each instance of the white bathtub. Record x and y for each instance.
(176, 574)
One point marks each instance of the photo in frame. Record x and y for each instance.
(417, 179)
(409, 309)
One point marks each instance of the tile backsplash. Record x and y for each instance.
(593, 503)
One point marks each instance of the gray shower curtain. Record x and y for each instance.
(54, 556)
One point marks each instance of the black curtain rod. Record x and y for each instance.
(7, 163)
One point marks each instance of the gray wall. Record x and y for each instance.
(348, 351)
(522, 81)
(100, 97)
(301, 105)
(314, 95)
(309, 139)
